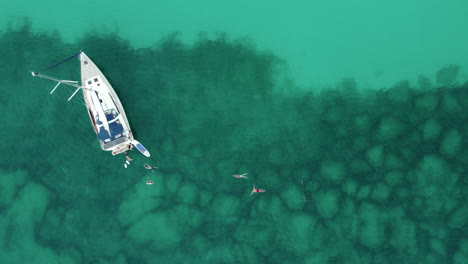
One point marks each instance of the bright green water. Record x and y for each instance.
(351, 175)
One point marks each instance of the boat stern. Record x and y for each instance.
(121, 149)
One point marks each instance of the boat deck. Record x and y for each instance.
(115, 127)
(105, 110)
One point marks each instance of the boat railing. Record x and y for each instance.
(115, 143)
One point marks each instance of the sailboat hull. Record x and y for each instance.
(105, 110)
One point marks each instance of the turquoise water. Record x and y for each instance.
(351, 117)
(376, 43)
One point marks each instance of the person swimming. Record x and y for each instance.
(127, 160)
(128, 157)
(240, 176)
(149, 182)
(149, 167)
(256, 190)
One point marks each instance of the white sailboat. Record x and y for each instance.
(104, 108)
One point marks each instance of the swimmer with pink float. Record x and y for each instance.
(256, 190)
(240, 176)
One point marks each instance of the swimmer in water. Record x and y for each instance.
(256, 190)
(240, 176)
(128, 158)
(149, 167)
(149, 182)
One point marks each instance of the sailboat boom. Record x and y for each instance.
(67, 82)
(70, 83)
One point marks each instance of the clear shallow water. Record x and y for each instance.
(378, 44)
(351, 175)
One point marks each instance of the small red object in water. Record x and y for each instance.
(256, 190)
(240, 176)
(149, 182)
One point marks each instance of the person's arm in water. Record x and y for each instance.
(253, 190)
